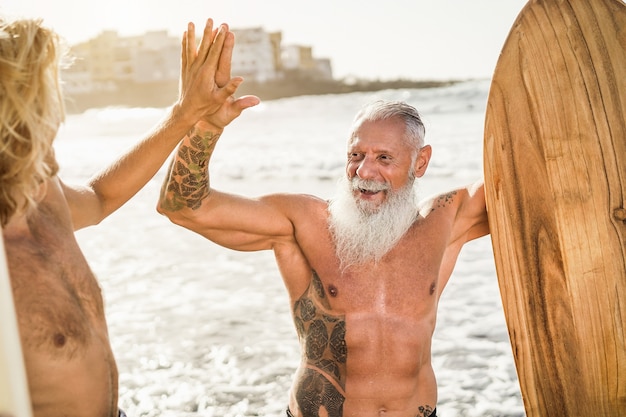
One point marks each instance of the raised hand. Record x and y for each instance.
(222, 76)
(205, 82)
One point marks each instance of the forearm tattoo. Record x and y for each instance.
(188, 181)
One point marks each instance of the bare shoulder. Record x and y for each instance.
(297, 207)
(464, 208)
(306, 213)
(439, 202)
(455, 201)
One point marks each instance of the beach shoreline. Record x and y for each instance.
(199, 330)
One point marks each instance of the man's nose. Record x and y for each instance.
(366, 169)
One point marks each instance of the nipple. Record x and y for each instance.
(332, 290)
(59, 340)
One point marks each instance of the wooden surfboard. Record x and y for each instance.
(14, 397)
(555, 183)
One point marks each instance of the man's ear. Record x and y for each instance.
(423, 158)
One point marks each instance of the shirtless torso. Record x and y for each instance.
(60, 314)
(365, 333)
(365, 326)
(60, 311)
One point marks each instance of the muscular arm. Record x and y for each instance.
(463, 213)
(116, 184)
(464, 210)
(200, 95)
(472, 222)
(233, 221)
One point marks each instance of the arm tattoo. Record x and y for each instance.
(443, 200)
(187, 184)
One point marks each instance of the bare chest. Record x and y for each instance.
(404, 279)
(58, 300)
(381, 292)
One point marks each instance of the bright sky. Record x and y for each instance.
(415, 39)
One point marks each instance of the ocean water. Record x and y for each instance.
(199, 330)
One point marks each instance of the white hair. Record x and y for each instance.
(363, 233)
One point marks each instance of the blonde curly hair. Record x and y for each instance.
(31, 111)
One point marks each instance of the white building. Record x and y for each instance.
(156, 58)
(109, 61)
(298, 58)
(256, 55)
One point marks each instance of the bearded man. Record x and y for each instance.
(364, 272)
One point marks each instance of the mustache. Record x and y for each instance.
(357, 183)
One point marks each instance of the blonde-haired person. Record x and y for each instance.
(69, 363)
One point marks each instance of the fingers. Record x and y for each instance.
(230, 88)
(245, 102)
(188, 53)
(237, 106)
(230, 110)
(222, 75)
(214, 43)
(208, 40)
(183, 63)
(207, 86)
(216, 48)
(190, 47)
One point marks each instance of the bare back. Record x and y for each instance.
(69, 363)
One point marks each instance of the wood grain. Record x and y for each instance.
(555, 180)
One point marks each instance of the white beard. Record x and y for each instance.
(364, 233)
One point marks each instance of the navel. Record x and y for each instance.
(433, 286)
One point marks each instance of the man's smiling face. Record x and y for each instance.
(380, 161)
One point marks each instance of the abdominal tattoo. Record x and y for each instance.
(323, 338)
(188, 181)
(425, 411)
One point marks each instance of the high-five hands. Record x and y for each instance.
(207, 88)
